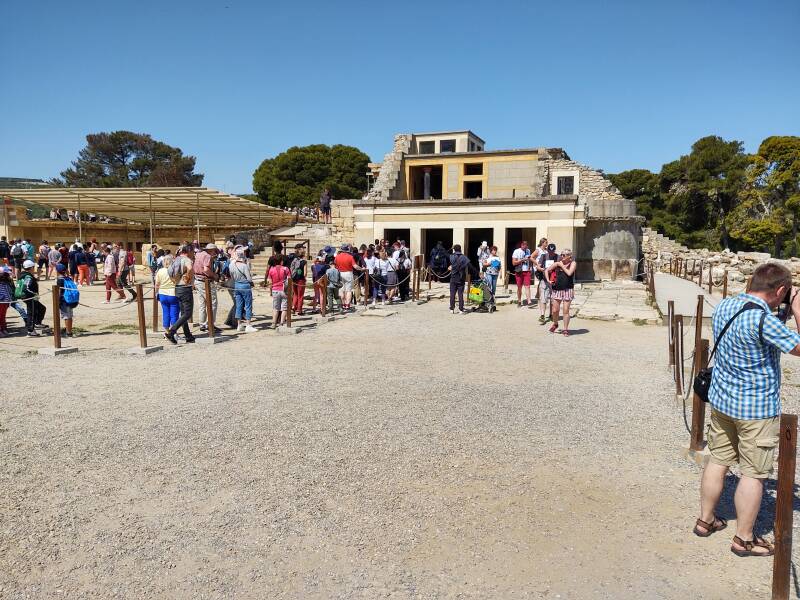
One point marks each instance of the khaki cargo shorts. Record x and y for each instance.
(749, 443)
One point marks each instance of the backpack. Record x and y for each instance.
(334, 278)
(175, 270)
(16, 251)
(130, 259)
(19, 290)
(296, 269)
(71, 294)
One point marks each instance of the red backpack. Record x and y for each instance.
(130, 259)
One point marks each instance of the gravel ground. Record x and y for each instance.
(422, 455)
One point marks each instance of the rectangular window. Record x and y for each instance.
(427, 147)
(447, 146)
(472, 146)
(473, 189)
(566, 185)
(473, 169)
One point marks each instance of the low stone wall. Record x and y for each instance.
(739, 265)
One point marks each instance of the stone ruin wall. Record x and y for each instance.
(740, 265)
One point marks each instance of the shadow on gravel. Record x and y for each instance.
(578, 331)
(766, 515)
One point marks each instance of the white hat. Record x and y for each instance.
(484, 244)
(28, 264)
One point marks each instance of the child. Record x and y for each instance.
(65, 286)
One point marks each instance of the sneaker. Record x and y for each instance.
(34, 333)
(542, 320)
(250, 329)
(203, 327)
(106, 302)
(170, 337)
(241, 327)
(457, 312)
(524, 303)
(190, 339)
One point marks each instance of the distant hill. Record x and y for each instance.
(21, 183)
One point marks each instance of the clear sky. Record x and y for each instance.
(619, 85)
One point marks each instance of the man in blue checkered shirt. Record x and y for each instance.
(745, 401)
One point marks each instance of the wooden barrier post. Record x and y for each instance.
(56, 316)
(710, 280)
(698, 324)
(671, 331)
(289, 298)
(725, 285)
(678, 343)
(324, 294)
(209, 309)
(140, 315)
(787, 457)
(686, 268)
(700, 275)
(698, 406)
(155, 311)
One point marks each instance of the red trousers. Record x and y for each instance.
(111, 284)
(298, 292)
(3, 309)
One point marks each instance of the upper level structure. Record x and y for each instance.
(455, 166)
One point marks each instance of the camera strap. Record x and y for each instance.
(746, 307)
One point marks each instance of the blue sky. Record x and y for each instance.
(619, 85)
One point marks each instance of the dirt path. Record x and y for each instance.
(423, 455)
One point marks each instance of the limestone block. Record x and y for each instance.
(754, 256)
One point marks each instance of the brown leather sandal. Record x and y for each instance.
(750, 544)
(709, 527)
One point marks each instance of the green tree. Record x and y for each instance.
(297, 176)
(127, 159)
(770, 209)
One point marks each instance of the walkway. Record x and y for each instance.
(684, 293)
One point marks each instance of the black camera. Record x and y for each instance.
(785, 309)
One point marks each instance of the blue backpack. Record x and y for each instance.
(71, 294)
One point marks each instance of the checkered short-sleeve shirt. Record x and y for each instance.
(746, 380)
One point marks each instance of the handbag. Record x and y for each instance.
(702, 382)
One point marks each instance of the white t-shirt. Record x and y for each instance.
(519, 254)
(372, 264)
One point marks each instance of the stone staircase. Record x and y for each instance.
(390, 168)
(653, 242)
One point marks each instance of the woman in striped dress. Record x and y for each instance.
(563, 284)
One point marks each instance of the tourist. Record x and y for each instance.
(150, 260)
(30, 250)
(298, 277)
(563, 284)
(124, 262)
(483, 255)
(439, 261)
(92, 253)
(30, 292)
(325, 205)
(460, 265)
(182, 273)
(72, 261)
(318, 270)
(165, 292)
(521, 261)
(277, 275)
(17, 253)
(5, 251)
(66, 305)
(110, 273)
(403, 275)
(388, 269)
(372, 270)
(243, 290)
(204, 271)
(491, 269)
(53, 259)
(345, 264)
(41, 260)
(334, 279)
(544, 257)
(64, 251)
(745, 398)
(6, 297)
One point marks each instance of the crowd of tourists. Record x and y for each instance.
(342, 278)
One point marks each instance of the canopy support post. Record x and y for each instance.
(198, 218)
(151, 218)
(80, 223)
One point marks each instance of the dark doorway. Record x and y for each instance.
(473, 239)
(515, 235)
(416, 189)
(392, 235)
(473, 189)
(431, 236)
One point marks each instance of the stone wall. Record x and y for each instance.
(739, 265)
(391, 173)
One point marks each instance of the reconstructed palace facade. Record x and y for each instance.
(447, 187)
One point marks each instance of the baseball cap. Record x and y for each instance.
(551, 247)
(28, 264)
(61, 267)
(210, 246)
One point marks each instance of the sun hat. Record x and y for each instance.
(28, 264)
(60, 267)
(551, 247)
(210, 246)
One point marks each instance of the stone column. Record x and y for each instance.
(426, 194)
(459, 238)
(415, 241)
(499, 240)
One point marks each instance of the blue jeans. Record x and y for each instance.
(492, 280)
(243, 295)
(169, 310)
